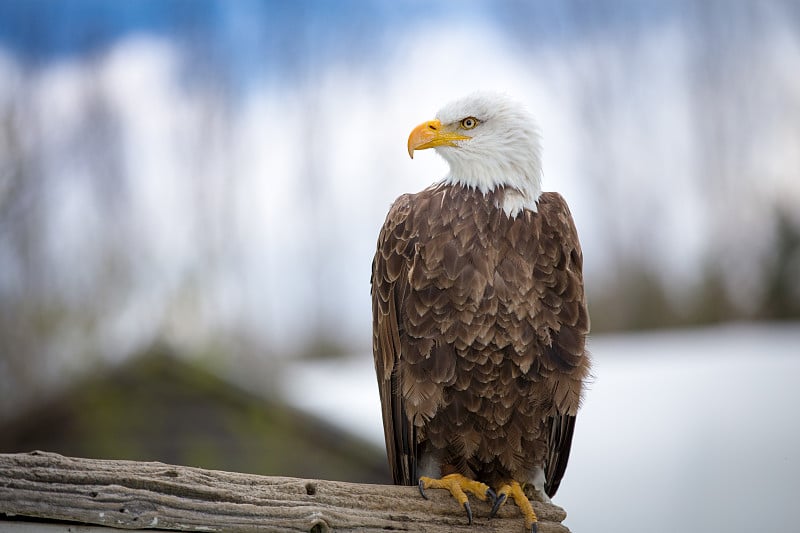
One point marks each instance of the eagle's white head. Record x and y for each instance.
(489, 141)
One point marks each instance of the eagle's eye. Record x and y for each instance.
(469, 123)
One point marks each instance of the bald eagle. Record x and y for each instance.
(479, 315)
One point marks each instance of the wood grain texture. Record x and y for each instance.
(144, 495)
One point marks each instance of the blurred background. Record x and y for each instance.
(191, 192)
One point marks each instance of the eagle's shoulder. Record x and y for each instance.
(395, 240)
(401, 209)
(557, 218)
(552, 203)
(410, 216)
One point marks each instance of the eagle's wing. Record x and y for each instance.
(560, 262)
(389, 274)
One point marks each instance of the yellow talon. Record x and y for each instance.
(457, 485)
(514, 489)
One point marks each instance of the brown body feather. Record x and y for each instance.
(480, 325)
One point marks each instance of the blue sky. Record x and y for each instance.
(46, 29)
(245, 39)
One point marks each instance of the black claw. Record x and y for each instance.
(491, 494)
(469, 512)
(497, 503)
(535, 527)
(422, 489)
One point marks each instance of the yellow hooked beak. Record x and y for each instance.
(430, 134)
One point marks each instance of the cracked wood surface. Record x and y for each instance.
(149, 495)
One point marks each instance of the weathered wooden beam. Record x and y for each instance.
(139, 495)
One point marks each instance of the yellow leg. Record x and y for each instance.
(458, 486)
(514, 489)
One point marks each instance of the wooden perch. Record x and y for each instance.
(138, 495)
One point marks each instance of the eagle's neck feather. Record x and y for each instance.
(522, 183)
